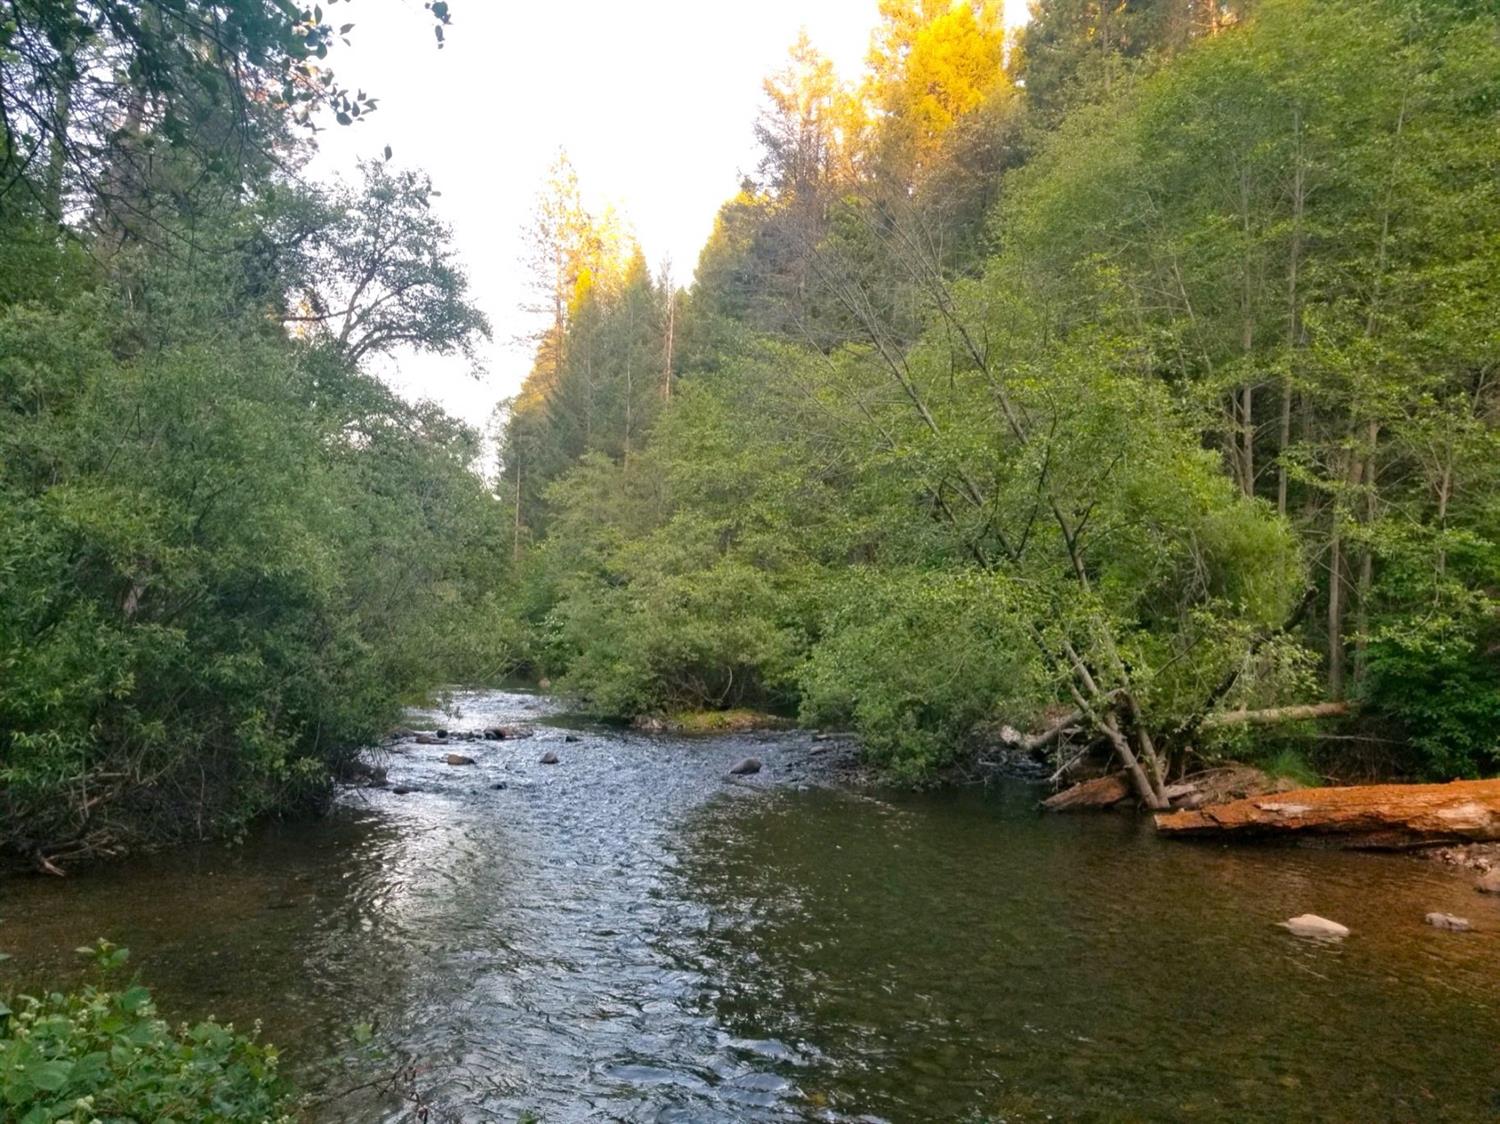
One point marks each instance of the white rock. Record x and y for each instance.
(1448, 921)
(1311, 925)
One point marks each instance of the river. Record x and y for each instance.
(634, 935)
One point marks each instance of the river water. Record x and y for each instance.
(634, 935)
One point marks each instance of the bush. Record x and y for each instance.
(101, 1055)
(915, 662)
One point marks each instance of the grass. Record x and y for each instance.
(1292, 765)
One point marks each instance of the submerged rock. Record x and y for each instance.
(1311, 925)
(1448, 921)
(402, 789)
(746, 767)
(458, 759)
(1489, 883)
(549, 758)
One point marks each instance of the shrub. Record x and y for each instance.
(104, 1055)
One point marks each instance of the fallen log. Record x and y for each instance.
(1274, 715)
(1382, 816)
(1088, 796)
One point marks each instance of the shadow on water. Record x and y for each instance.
(633, 935)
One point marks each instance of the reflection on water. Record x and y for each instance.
(632, 935)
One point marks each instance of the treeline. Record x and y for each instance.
(1100, 384)
(227, 554)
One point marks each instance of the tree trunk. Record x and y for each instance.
(1275, 715)
(1294, 313)
(1380, 816)
(1246, 407)
(1336, 581)
(1366, 559)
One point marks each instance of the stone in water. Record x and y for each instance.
(1311, 925)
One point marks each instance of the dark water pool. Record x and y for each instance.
(633, 935)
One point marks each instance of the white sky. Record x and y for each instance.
(653, 99)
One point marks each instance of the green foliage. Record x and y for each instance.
(1289, 764)
(104, 1054)
(1202, 419)
(1435, 675)
(917, 662)
(228, 554)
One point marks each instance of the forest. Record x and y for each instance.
(1129, 380)
(1124, 386)
(1130, 383)
(227, 553)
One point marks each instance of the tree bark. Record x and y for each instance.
(1294, 312)
(1384, 816)
(1336, 581)
(1275, 715)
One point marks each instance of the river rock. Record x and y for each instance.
(1101, 792)
(402, 790)
(1448, 921)
(544, 684)
(746, 767)
(458, 759)
(570, 738)
(441, 733)
(1489, 883)
(428, 739)
(549, 758)
(1311, 925)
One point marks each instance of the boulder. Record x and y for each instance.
(441, 733)
(1101, 792)
(1448, 921)
(570, 738)
(746, 767)
(1385, 816)
(1489, 882)
(549, 758)
(428, 739)
(458, 759)
(1311, 925)
(402, 790)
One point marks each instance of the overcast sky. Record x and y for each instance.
(653, 100)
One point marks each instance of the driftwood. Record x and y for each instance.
(1212, 786)
(1101, 792)
(1383, 816)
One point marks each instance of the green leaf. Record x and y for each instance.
(51, 1076)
